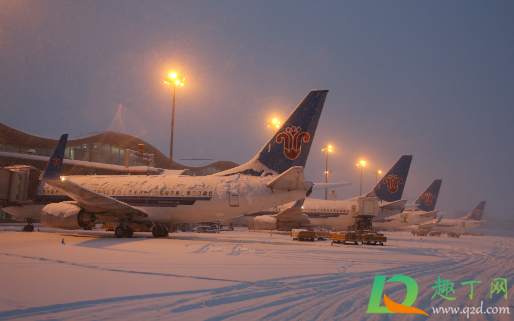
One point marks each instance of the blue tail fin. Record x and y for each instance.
(476, 213)
(428, 198)
(291, 144)
(390, 187)
(53, 168)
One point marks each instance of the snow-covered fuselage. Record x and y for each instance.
(456, 225)
(405, 219)
(331, 214)
(173, 199)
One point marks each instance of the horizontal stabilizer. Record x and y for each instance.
(329, 185)
(293, 213)
(292, 179)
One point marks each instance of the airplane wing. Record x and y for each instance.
(87, 199)
(94, 202)
(329, 185)
(391, 206)
(293, 213)
(429, 214)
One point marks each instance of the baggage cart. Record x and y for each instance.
(345, 238)
(374, 239)
(303, 235)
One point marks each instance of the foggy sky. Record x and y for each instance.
(434, 79)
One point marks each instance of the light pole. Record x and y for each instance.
(326, 149)
(376, 176)
(174, 80)
(361, 164)
(275, 123)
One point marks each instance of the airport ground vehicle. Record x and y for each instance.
(303, 235)
(419, 233)
(434, 233)
(322, 234)
(453, 234)
(345, 238)
(374, 239)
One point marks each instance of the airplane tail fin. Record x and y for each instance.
(53, 168)
(476, 213)
(428, 198)
(390, 187)
(290, 146)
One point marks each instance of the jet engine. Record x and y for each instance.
(65, 216)
(265, 222)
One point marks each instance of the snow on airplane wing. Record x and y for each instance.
(293, 213)
(94, 202)
(394, 205)
(429, 214)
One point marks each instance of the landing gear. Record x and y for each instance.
(160, 231)
(363, 223)
(123, 231)
(29, 227)
(184, 227)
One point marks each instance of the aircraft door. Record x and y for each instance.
(406, 217)
(233, 196)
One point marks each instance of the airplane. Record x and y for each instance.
(470, 221)
(336, 214)
(421, 211)
(272, 177)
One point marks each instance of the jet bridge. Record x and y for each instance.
(364, 210)
(18, 185)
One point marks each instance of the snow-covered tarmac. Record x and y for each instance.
(237, 275)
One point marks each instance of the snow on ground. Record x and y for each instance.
(237, 275)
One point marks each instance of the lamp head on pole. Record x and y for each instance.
(174, 79)
(327, 148)
(274, 123)
(361, 163)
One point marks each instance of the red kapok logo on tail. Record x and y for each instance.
(477, 212)
(57, 162)
(428, 197)
(292, 139)
(392, 182)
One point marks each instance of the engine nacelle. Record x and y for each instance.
(65, 216)
(264, 222)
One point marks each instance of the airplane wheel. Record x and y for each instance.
(157, 231)
(184, 227)
(129, 231)
(160, 231)
(119, 231)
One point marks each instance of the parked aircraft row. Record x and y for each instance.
(269, 192)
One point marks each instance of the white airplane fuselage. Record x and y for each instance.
(173, 199)
(405, 219)
(448, 225)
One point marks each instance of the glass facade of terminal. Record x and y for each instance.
(91, 152)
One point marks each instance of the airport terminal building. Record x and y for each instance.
(101, 153)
